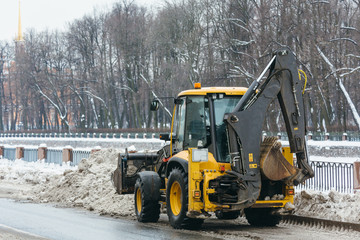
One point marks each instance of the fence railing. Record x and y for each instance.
(30, 154)
(331, 175)
(78, 155)
(9, 153)
(321, 136)
(52, 155)
(125, 135)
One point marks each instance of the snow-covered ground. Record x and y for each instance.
(88, 185)
(334, 159)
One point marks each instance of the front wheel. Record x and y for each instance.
(146, 208)
(177, 201)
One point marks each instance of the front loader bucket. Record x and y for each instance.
(116, 180)
(273, 164)
(129, 164)
(123, 183)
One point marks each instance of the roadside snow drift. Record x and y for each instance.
(20, 172)
(88, 186)
(331, 205)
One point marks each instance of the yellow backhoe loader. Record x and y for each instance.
(217, 161)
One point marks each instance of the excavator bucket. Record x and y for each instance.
(273, 164)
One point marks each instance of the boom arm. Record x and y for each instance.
(246, 121)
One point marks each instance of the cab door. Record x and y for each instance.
(191, 123)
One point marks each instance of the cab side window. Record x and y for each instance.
(179, 125)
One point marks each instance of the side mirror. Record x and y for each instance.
(154, 106)
(165, 136)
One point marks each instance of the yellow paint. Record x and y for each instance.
(301, 71)
(251, 157)
(210, 164)
(183, 155)
(202, 172)
(225, 90)
(254, 165)
(175, 198)
(296, 128)
(269, 202)
(195, 177)
(138, 200)
(288, 155)
(287, 198)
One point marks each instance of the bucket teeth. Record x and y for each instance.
(273, 164)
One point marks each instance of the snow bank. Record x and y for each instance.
(89, 186)
(21, 172)
(331, 205)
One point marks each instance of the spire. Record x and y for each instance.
(19, 37)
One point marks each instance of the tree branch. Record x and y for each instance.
(342, 87)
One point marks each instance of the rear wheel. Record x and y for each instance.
(227, 215)
(261, 217)
(146, 209)
(177, 201)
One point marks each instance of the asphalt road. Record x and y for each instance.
(28, 221)
(33, 221)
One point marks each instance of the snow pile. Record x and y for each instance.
(331, 205)
(21, 172)
(89, 186)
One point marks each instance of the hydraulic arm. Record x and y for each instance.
(245, 136)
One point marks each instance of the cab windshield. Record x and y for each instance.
(222, 106)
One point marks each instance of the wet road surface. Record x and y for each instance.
(60, 223)
(28, 221)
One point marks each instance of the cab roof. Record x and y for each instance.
(206, 90)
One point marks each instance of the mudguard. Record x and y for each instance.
(176, 161)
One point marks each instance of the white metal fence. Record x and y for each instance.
(52, 155)
(331, 175)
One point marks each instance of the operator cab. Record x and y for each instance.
(198, 120)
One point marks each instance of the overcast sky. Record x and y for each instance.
(50, 14)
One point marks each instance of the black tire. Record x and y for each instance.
(177, 207)
(227, 215)
(261, 217)
(146, 209)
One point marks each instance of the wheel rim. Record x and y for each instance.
(138, 200)
(175, 198)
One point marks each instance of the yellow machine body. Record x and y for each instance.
(203, 172)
